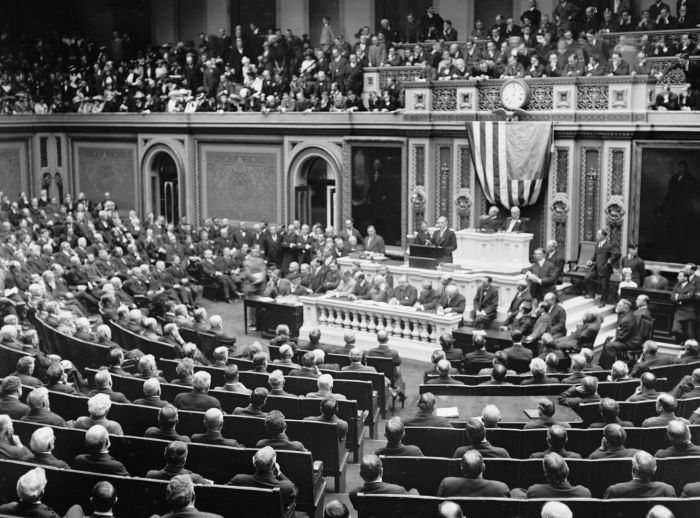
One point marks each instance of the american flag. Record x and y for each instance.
(511, 159)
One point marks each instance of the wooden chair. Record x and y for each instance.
(579, 268)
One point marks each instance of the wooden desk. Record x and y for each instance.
(495, 339)
(511, 407)
(268, 315)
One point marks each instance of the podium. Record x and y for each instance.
(426, 257)
(499, 252)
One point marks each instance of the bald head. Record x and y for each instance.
(643, 466)
(557, 437)
(666, 403)
(678, 433)
(491, 416)
(394, 430)
(659, 511)
(556, 510)
(647, 381)
(472, 464)
(450, 509)
(214, 419)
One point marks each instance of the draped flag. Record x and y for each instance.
(511, 159)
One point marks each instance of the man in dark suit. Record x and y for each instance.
(476, 437)
(517, 351)
(666, 406)
(452, 302)
(601, 267)
(651, 358)
(472, 482)
(443, 369)
(404, 294)
(356, 365)
(521, 295)
(374, 242)
(556, 472)
(371, 471)
(99, 459)
(585, 392)
(167, 423)
(197, 399)
(627, 336)
(492, 221)
(445, 238)
(646, 391)
(175, 458)
(547, 409)
(584, 335)
(688, 387)
(553, 255)
(634, 263)
(394, 432)
(485, 304)
(385, 351)
(683, 298)
(612, 445)
(267, 475)
(38, 401)
(180, 497)
(557, 315)
(10, 446)
(151, 393)
(11, 392)
(329, 414)
(275, 426)
(541, 276)
(426, 414)
(479, 355)
(557, 438)
(514, 223)
(257, 400)
(678, 435)
(103, 385)
(30, 489)
(641, 485)
(308, 367)
(610, 413)
(213, 424)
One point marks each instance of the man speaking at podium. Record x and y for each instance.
(445, 238)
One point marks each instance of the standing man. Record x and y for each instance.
(445, 238)
(634, 263)
(601, 267)
(552, 255)
(374, 242)
(683, 297)
(485, 304)
(541, 276)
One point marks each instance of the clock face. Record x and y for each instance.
(514, 95)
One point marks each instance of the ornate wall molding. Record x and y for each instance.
(560, 205)
(443, 180)
(463, 183)
(589, 199)
(615, 205)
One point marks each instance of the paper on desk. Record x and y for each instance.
(448, 412)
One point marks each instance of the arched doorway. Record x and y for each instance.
(165, 194)
(315, 194)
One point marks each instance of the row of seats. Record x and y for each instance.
(426, 473)
(320, 438)
(139, 496)
(520, 444)
(216, 463)
(409, 506)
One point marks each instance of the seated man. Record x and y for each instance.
(627, 335)
(610, 413)
(197, 399)
(666, 406)
(151, 393)
(286, 353)
(538, 369)
(485, 304)
(24, 370)
(556, 472)
(180, 497)
(641, 485)
(57, 379)
(619, 372)
(498, 376)
(98, 407)
(556, 440)
(492, 221)
(213, 424)
(586, 392)
(394, 432)
(275, 426)
(10, 445)
(167, 423)
(451, 302)
(590, 364)
(612, 445)
(103, 385)
(651, 358)
(30, 489)
(517, 351)
(425, 415)
(276, 382)
(443, 368)
(257, 401)
(383, 350)
(267, 475)
(646, 389)
(42, 445)
(452, 353)
(578, 363)
(678, 435)
(491, 416)
(479, 355)
(435, 357)
(259, 363)
(499, 358)
(476, 437)
(38, 401)
(547, 409)
(404, 294)
(356, 365)
(98, 459)
(688, 387)
(472, 482)
(325, 388)
(184, 371)
(148, 368)
(308, 367)
(690, 353)
(557, 315)
(371, 472)
(584, 335)
(329, 409)
(514, 223)
(175, 458)
(231, 383)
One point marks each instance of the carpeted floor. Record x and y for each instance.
(232, 315)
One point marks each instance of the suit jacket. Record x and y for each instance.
(375, 488)
(548, 275)
(518, 352)
(406, 296)
(636, 264)
(457, 303)
(100, 463)
(448, 241)
(684, 450)
(604, 257)
(683, 298)
(479, 487)
(266, 480)
(196, 401)
(628, 330)
(518, 225)
(216, 438)
(12, 452)
(13, 407)
(281, 442)
(619, 452)
(47, 459)
(487, 451)
(33, 510)
(426, 419)
(563, 490)
(486, 300)
(189, 512)
(374, 244)
(558, 324)
(639, 489)
(399, 450)
(520, 297)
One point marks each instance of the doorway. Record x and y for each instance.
(315, 196)
(165, 193)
